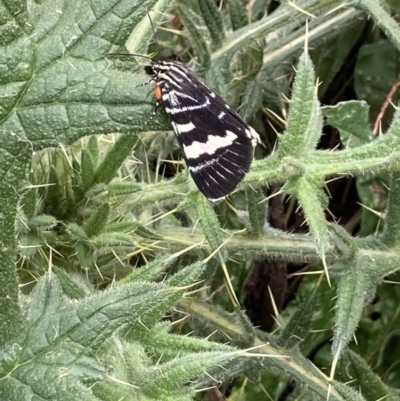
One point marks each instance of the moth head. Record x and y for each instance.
(149, 69)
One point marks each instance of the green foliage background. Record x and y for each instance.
(111, 283)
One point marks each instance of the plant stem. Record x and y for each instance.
(285, 360)
(381, 17)
(391, 231)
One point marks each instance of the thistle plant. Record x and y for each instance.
(111, 259)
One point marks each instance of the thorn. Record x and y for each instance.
(326, 269)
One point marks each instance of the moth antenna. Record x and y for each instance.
(130, 54)
(154, 35)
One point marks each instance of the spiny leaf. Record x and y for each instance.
(56, 87)
(257, 211)
(98, 221)
(93, 149)
(186, 276)
(170, 345)
(69, 286)
(304, 124)
(180, 370)
(251, 100)
(150, 271)
(164, 381)
(248, 34)
(87, 169)
(110, 240)
(351, 119)
(313, 202)
(352, 367)
(238, 14)
(202, 50)
(60, 334)
(113, 160)
(142, 33)
(299, 324)
(351, 296)
(213, 19)
(209, 221)
(29, 202)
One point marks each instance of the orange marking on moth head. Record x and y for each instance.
(158, 92)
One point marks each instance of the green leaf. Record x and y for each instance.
(382, 18)
(93, 149)
(257, 211)
(53, 192)
(213, 19)
(354, 369)
(56, 87)
(59, 334)
(77, 232)
(372, 201)
(145, 380)
(331, 53)
(150, 271)
(87, 169)
(85, 255)
(80, 94)
(249, 33)
(346, 393)
(14, 163)
(114, 158)
(16, 13)
(354, 289)
(391, 233)
(118, 188)
(209, 221)
(70, 287)
(110, 240)
(377, 69)
(238, 14)
(304, 124)
(43, 221)
(313, 202)
(146, 233)
(122, 226)
(200, 45)
(299, 324)
(251, 100)
(29, 202)
(142, 33)
(157, 342)
(98, 221)
(352, 120)
(187, 276)
(180, 370)
(181, 282)
(245, 36)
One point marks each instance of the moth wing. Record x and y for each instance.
(216, 143)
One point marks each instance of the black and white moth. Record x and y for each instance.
(216, 143)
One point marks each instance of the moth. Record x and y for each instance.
(217, 145)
